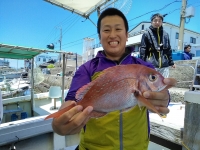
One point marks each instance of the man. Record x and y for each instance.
(155, 46)
(186, 54)
(116, 130)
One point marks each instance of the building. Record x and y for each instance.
(135, 35)
(43, 58)
(71, 59)
(4, 63)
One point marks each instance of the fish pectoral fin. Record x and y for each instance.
(59, 112)
(146, 103)
(125, 110)
(140, 104)
(97, 114)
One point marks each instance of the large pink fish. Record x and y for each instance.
(118, 88)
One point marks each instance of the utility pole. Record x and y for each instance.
(60, 41)
(182, 26)
(98, 11)
(60, 38)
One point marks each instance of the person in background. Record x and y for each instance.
(186, 54)
(155, 46)
(116, 130)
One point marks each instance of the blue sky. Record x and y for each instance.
(36, 23)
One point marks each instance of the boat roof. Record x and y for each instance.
(20, 52)
(81, 7)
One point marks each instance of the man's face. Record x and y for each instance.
(156, 22)
(188, 49)
(113, 36)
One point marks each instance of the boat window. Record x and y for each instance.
(176, 36)
(143, 27)
(192, 40)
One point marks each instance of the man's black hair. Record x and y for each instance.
(157, 15)
(186, 46)
(111, 12)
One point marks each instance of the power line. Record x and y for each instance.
(73, 45)
(70, 26)
(57, 37)
(79, 39)
(54, 29)
(67, 46)
(155, 10)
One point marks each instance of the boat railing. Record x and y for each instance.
(194, 83)
(190, 81)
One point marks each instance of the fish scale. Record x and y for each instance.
(118, 88)
(116, 97)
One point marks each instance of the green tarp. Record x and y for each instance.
(19, 52)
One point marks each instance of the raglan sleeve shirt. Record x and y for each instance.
(80, 78)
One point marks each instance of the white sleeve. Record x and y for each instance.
(1, 108)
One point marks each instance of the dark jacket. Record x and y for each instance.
(149, 43)
(187, 56)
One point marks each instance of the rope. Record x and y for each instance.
(184, 145)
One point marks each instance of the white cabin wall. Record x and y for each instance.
(25, 105)
(139, 27)
(40, 142)
(172, 30)
(189, 34)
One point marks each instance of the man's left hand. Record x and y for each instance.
(161, 99)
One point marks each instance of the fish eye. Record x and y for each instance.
(152, 77)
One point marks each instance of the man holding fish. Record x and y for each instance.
(110, 95)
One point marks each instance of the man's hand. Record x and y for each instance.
(161, 99)
(72, 121)
(174, 66)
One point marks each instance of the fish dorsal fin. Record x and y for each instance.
(84, 89)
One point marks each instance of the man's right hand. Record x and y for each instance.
(72, 121)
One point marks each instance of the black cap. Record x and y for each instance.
(157, 15)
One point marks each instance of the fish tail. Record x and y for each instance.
(59, 112)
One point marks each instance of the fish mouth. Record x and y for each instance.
(161, 88)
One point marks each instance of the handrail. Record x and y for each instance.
(193, 75)
(195, 72)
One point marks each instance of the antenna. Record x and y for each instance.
(123, 5)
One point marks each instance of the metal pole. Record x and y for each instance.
(182, 24)
(76, 61)
(98, 11)
(60, 40)
(32, 87)
(63, 77)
